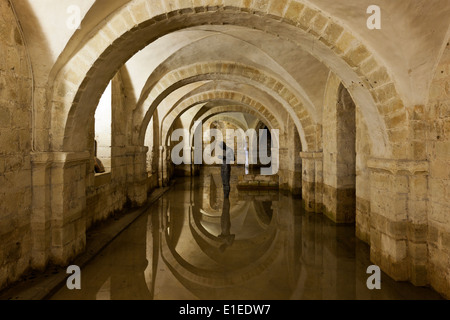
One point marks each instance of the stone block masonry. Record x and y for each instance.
(15, 148)
(435, 122)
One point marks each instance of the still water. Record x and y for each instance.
(193, 245)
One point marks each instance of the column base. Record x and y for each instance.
(339, 205)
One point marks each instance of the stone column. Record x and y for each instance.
(59, 204)
(339, 193)
(68, 201)
(185, 168)
(283, 171)
(312, 183)
(41, 209)
(119, 176)
(162, 172)
(398, 240)
(195, 168)
(137, 186)
(339, 149)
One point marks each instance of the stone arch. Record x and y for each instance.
(220, 110)
(230, 91)
(77, 83)
(227, 109)
(156, 90)
(280, 142)
(233, 124)
(227, 96)
(188, 273)
(240, 100)
(223, 117)
(231, 97)
(260, 125)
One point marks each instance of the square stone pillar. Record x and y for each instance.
(162, 169)
(68, 202)
(41, 209)
(398, 218)
(283, 171)
(59, 204)
(312, 180)
(137, 175)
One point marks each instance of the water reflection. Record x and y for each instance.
(226, 236)
(194, 244)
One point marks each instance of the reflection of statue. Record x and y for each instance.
(225, 220)
(227, 158)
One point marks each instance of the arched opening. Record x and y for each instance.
(379, 137)
(305, 120)
(103, 127)
(339, 190)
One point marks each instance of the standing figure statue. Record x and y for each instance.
(227, 159)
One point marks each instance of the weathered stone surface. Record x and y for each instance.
(375, 144)
(15, 148)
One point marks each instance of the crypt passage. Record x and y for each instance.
(258, 245)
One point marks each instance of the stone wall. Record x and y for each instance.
(15, 142)
(103, 200)
(363, 145)
(397, 226)
(48, 200)
(437, 131)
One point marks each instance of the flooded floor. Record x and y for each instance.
(193, 245)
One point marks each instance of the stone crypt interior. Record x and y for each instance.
(91, 93)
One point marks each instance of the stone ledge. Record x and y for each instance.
(101, 179)
(249, 182)
(59, 157)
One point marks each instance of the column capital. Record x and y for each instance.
(405, 167)
(59, 157)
